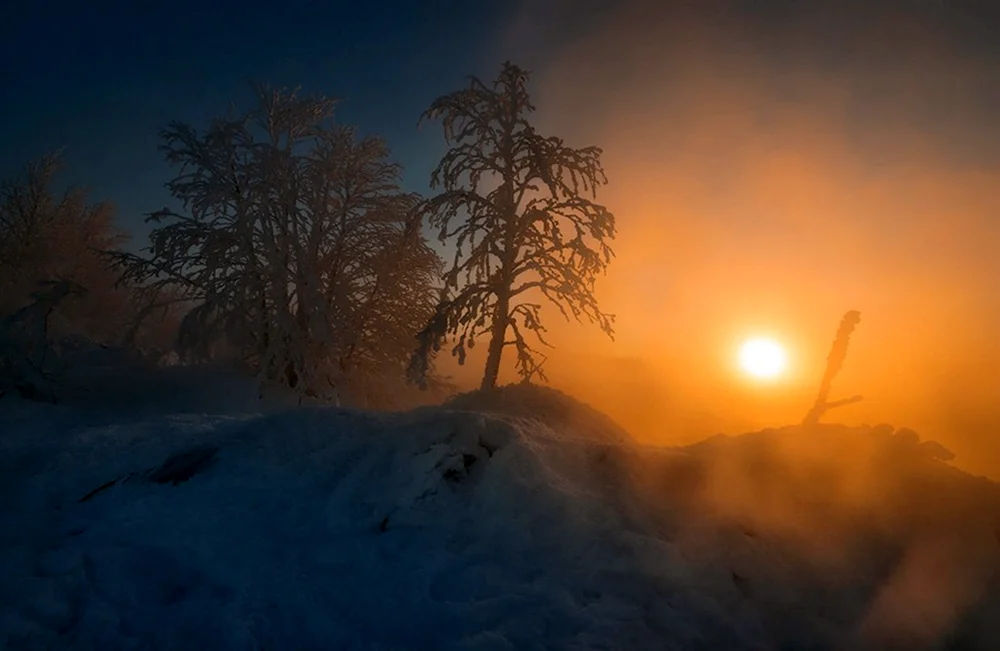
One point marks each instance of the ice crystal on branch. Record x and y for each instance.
(518, 208)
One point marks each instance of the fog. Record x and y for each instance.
(769, 172)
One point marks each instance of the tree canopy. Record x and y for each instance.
(49, 237)
(297, 248)
(519, 210)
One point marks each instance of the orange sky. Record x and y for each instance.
(764, 197)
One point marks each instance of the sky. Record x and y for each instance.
(100, 79)
(772, 164)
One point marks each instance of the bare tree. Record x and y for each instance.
(55, 286)
(298, 248)
(48, 237)
(517, 207)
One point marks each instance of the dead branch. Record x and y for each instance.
(834, 362)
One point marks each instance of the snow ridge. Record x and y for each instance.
(448, 528)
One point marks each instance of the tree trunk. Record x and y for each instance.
(834, 361)
(507, 261)
(496, 341)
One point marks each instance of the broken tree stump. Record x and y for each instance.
(834, 362)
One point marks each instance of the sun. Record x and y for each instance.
(763, 358)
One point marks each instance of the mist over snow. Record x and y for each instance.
(249, 428)
(201, 518)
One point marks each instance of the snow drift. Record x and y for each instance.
(515, 520)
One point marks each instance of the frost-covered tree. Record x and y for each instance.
(56, 289)
(518, 208)
(48, 237)
(297, 247)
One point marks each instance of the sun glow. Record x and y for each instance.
(763, 358)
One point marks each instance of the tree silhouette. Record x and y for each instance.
(517, 207)
(834, 362)
(297, 248)
(50, 237)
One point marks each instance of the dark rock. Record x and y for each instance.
(180, 467)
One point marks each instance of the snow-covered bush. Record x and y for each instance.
(29, 363)
(545, 405)
(297, 251)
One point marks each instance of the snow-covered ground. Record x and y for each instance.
(192, 518)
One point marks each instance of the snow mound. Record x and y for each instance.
(547, 406)
(322, 528)
(481, 525)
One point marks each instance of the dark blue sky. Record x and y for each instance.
(101, 78)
